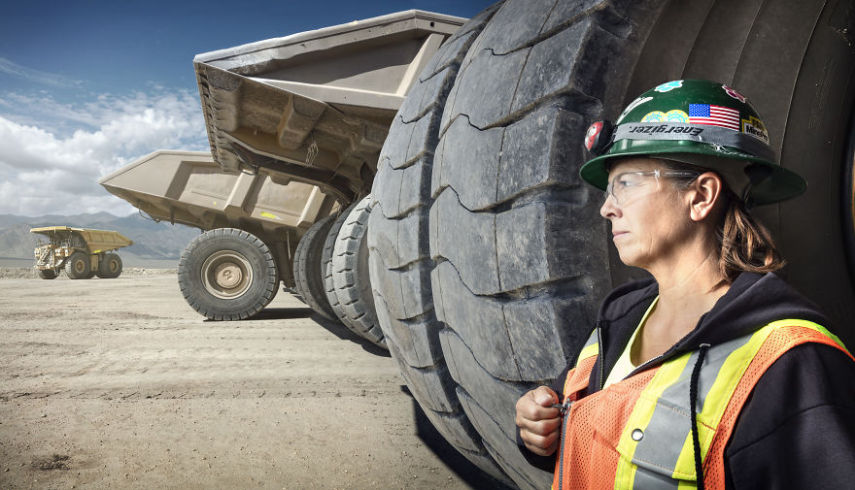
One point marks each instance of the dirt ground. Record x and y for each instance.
(120, 384)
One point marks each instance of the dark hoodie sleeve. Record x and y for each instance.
(545, 463)
(797, 430)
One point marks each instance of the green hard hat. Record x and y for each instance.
(699, 122)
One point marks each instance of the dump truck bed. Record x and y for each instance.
(98, 241)
(317, 105)
(189, 188)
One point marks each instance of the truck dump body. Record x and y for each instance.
(189, 188)
(317, 105)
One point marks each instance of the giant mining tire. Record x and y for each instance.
(327, 265)
(488, 258)
(227, 274)
(308, 278)
(78, 266)
(350, 275)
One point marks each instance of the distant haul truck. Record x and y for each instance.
(82, 252)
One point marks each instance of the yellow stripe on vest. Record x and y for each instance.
(588, 351)
(665, 376)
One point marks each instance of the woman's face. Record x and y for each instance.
(648, 214)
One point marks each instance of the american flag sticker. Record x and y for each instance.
(714, 115)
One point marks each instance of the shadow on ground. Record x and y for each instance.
(344, 333)
(456, 462)
(334, 328)
(282, 314)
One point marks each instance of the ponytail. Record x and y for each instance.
(745, 244)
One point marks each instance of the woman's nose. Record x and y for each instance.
(609, 208)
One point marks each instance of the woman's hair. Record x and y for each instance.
(745, 245)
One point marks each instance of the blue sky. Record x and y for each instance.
(89, 86)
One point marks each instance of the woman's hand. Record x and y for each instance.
(539, 421)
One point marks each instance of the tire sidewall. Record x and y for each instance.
(192, 285)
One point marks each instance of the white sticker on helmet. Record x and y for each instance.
(632, 105)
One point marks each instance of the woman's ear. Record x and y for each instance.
(705, 191)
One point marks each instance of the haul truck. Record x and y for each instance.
(487, 259)
(251, 221)
(81, 252)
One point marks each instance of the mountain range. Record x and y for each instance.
(156, 244)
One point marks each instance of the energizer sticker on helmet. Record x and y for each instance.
(713, 135)
(664, 129)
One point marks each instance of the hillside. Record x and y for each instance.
(155, 244)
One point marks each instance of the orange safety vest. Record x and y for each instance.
(637, 433)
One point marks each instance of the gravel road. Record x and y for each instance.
(119, 384)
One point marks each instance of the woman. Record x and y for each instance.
(714, 372)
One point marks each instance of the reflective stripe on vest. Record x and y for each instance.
(637, 433)
(591, 348)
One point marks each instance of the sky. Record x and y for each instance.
(88, 86)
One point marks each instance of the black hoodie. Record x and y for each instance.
(797, 429)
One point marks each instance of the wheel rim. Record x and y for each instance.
(113, 266)
(226, 274)
(79, 266)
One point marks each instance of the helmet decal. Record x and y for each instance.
(733, 93)
(676, 115)
(714, 115)
(654, 116)
(632, 105)
(668, 86)
(753, 126)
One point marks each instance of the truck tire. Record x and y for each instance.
(77, 266)
(307, 269)
(487, 255)
(110, 266)
(47, 273)
(227, 274)
(350, 275)
(326, 262)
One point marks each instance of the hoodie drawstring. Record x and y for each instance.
(693, 401)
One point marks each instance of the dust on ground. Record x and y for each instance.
(118, 383)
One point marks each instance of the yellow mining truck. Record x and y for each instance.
(82, 252)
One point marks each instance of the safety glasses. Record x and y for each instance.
(628, 185)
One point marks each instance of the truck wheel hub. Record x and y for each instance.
(226, 274)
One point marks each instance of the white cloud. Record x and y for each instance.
(45, 172)
(42, 77)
